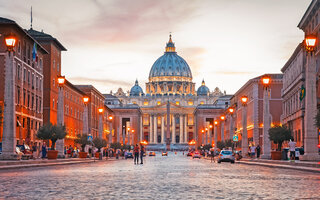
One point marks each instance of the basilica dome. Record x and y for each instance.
(136, 90)
(203, 90)
(170, 66)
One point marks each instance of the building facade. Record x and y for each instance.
(28, 79)
(165, 113)
(254, 89)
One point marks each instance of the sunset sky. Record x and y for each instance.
(113, 42)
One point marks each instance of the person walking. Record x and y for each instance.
(258, 149)
(292, 149)
(136, 154)
(253, 151)
(141, 154)
(212, 154)
(44, 150)
(34, 150)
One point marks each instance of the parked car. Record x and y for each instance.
(152, 153)
(189, 153)
(226, 156)
(196, 154)
(129, 155)
(164, 153)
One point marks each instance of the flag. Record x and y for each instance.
(34, 52)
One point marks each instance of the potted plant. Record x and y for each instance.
(52, 133)
(83, 141)
(99, 143)
(279, 134)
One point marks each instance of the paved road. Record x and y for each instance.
(172, 177)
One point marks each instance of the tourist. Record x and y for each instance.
(44, 150)
(212, 154)
(141, 154)
(136, 154)
(34, 150)
(258, 151)
(253, 151)
(292, 149)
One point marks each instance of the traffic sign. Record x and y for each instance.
(90, 138)
(235, 138)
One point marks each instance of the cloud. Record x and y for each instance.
(233, 73)
(193, 56)
(87, 81)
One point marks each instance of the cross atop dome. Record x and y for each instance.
(170, 45)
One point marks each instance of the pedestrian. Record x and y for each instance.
(253, 151)
(258, 149)
(125, 154)
(292, 149)
(136, 154)
(141, 154)
(34, 150)
(212, 154)
(44, 150)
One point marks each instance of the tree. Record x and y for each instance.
(99, 143)
(115, 145)
(207, 147)
(82, 140)
(279, 134)
(51, 132)
(228, 143)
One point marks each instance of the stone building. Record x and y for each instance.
(166, 112)
(27, 80)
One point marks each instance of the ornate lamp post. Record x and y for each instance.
(311, 134)
(210, 132)
(244, 140)
(222, 118)
(215, 134)
(132, 136)
(231, 111)
(60, 115)
(266, 145)
(110, 118)
(203, 136)
(100, 128)
(128, 134)
(9, 117)
(85, 115)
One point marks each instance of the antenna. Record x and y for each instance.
(31, 19)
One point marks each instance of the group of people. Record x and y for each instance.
(138, 151)
(38, 150)
(253, 150)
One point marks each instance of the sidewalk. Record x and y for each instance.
(286, 164)
(8, 164)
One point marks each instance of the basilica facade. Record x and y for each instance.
(170, 110)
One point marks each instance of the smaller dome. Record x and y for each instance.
(203, 90)
(136, 90)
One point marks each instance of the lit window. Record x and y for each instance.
(201, 102)
(134, 102)
(159, 102)
(177, 102)
(146, 103)
(190, 103)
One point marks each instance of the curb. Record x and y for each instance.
(310, 169)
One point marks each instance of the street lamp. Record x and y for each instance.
(110, 118)
(266, 145)
(222, 117)
(244, 140)
(231, 110)
(310, 43)
(266, 80)
(215, 134)
(9, 118)
(10, 42)
(85, 100)
(60, 114)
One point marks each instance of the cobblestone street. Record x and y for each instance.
(172, 177)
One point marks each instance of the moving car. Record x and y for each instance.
(152, 153)
(165, 153)
(226, 156)
(196, 154)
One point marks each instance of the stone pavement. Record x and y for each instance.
(11, 164)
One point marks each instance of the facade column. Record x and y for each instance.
(155, 129)
(215, 137)
(311, 134)
(162, 130)
(111, 131)
(60, 121)
(208, 133)
(185, 129)
(141, 130)
(244, 140)
(222, 130)
(266, 143)
(173, 129)
(9, 116)
(231, 127)
(181, 129)
(150, 131)
(100, 126)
